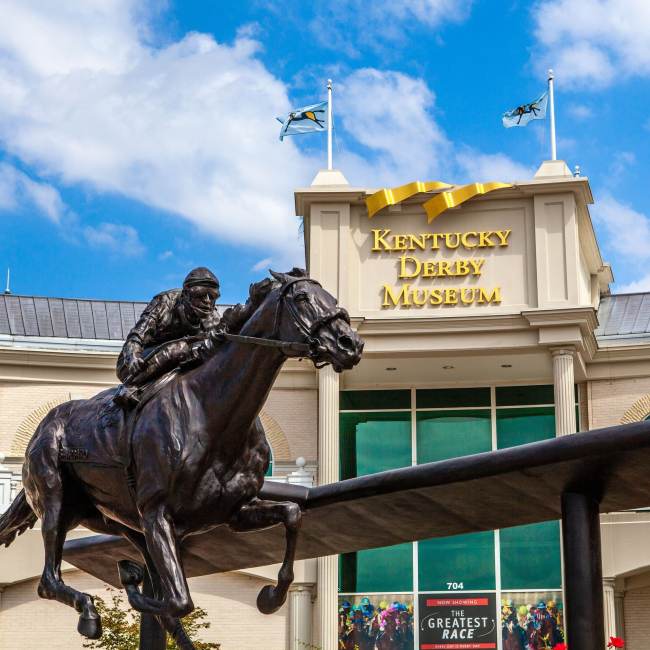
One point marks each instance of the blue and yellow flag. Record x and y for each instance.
(307, 119)
(523, 114)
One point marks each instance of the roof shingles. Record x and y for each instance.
(67, 318)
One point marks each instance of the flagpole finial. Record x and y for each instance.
(551, 74)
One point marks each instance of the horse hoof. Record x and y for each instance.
(268, 600)
(90, 626)
(131, 573)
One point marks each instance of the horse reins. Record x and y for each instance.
(313, 345)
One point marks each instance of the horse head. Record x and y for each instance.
(307, 313)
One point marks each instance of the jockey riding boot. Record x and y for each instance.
(127, 396)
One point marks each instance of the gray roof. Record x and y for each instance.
(67, 317)
(624, 317)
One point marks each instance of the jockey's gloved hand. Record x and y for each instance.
(136, 365)
(217, 334)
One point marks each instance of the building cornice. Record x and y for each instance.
(305, 197)
(66, 358)
(453, 324)
(98, 368)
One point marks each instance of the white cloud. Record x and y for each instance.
(622, 162)
(638, 286)
(480, 167)
(187, 128)
(347, 26)
(115, 238)
(580, 111)
(262, 264)
(64, 37)
(627, 232)
(402, 137)
(18, 190)
(592, 42)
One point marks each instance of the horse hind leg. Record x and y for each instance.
(45, 486)
(260, 514)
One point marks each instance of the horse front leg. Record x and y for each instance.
(164, 558)
(259, 514)
(132, 574)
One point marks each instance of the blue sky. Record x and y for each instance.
(138, 140)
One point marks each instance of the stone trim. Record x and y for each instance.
(28, 426)
(276, 437)
(639, 411)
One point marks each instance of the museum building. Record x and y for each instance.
(488, 322)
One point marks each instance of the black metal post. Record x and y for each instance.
(583, 581)
(152, 635)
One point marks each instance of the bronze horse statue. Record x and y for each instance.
(192, 457)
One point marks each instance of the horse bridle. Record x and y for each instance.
(313, 346)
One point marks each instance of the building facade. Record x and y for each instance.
(488, 326)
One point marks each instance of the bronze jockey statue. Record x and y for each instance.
(176, 328)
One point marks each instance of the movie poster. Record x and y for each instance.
(378, 622)
(458, 622)
(531, 620)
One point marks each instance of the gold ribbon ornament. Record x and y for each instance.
(435, 206)
(395, 195)
(438, 204)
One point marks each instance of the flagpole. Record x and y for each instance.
(329, 125)
(551, 101)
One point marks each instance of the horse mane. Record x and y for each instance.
(234, 318)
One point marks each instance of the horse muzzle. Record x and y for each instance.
(343, 353)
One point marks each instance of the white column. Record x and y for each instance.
(328, 472)
(300, 617)
(609, 607)
(564, 390)
(619, 600)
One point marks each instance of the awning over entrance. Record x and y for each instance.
(497, 489)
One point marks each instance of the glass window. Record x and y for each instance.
(452, 397)
(525, 612)
(447, 434)
(524, 395)
(461, 559)
(519, 426)
(388, 569)
(374, 400)
(362, 619)
(530, 556)
(374, 442)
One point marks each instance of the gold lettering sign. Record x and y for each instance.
(410, 267)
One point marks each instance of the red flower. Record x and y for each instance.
(615, 642)
(560, 646)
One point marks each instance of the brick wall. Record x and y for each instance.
(18, 400)
(26, 621)
(637, 622)
(296, 411)
(611, 399)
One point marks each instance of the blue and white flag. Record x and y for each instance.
(307, 119)
(523, 114)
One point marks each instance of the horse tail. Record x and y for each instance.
(17, 519)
